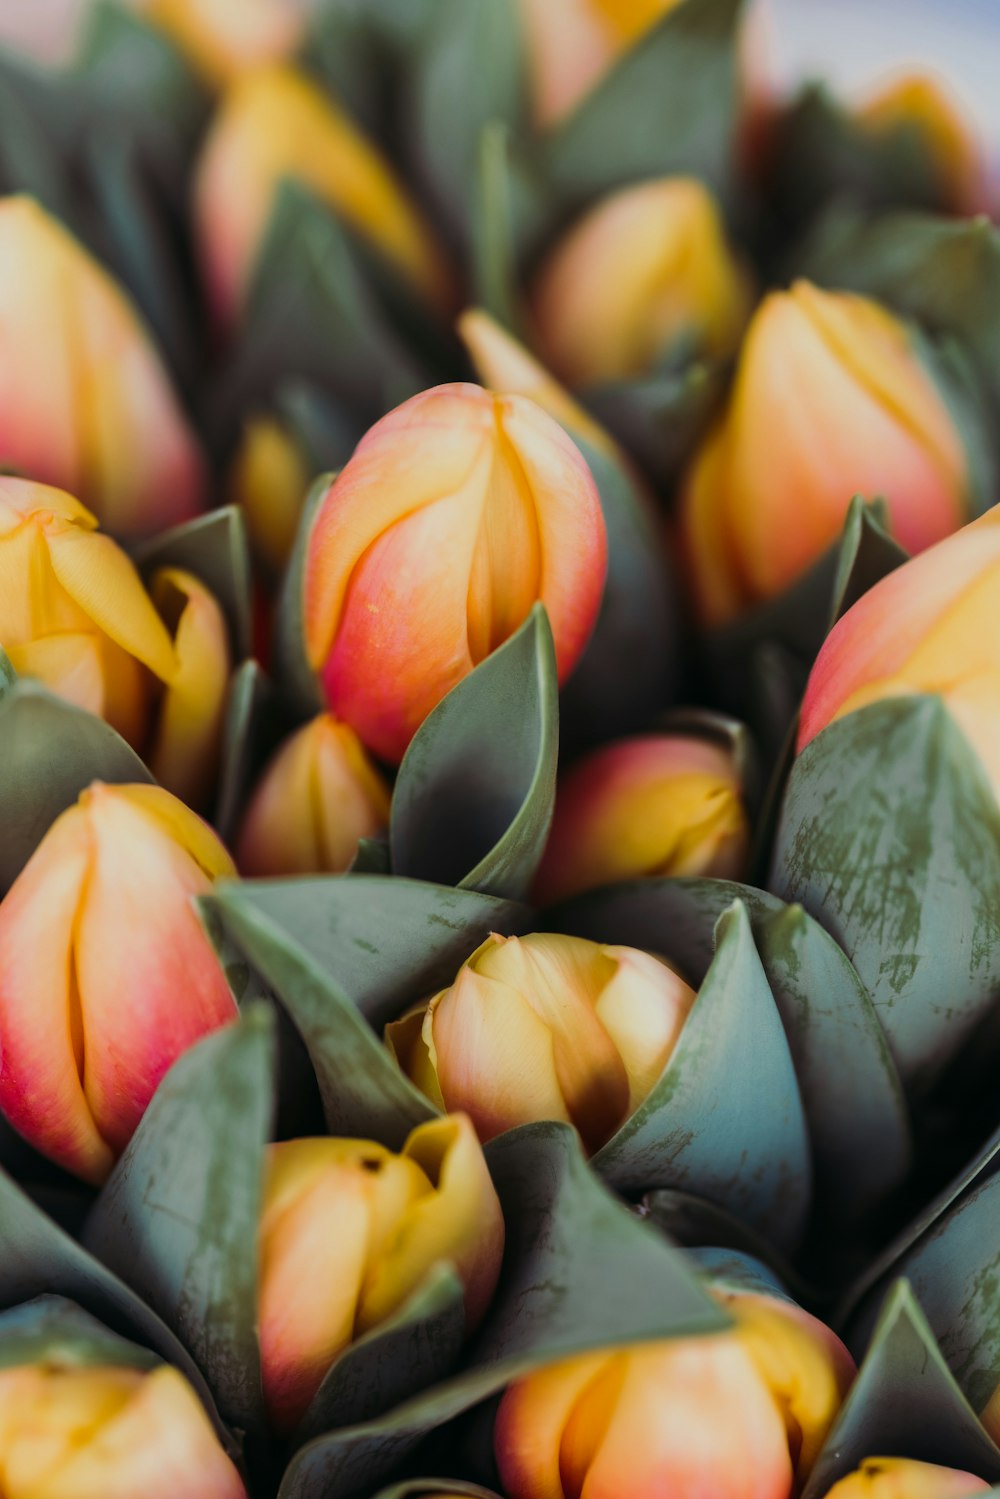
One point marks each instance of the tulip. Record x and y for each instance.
(830, 400)
(76, 1432)
(900, 1478)
(572, 44)
(917, 102)
(74, 614)
(645, 272)
(274, 123)
(269, 479)
(545, 1027)
(223, 38)
(106, 976)
(737, 1415)
(457, 513)
(349, 1232)
(85, 403)
(319, 795)
(658, 804)
(928, 627)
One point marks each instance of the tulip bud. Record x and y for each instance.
(350, 1231)
(545, 1027)
(86, 404)
(917, 102)
(274, 123)
(74, 1432)
(317, 797)
(572, 44)
(830, 400)
(646, 271)
(928, 627)
(106, 976)
(457, 513)
(658, 804)
(737, 1415)
(223, 38)
(900, 1478)
(269, 480)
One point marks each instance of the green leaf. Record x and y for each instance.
(660, 418)
(214, 548)
(247, 733)
(904, 1402)
(51, 752)
(694, 1224)
(849, 1086)
(725, 1120)
(296, 681)
(494, 251)
(580, 1272)
(472, 805)
(51, 1329)
(890, 837)
(133, 69)
(867, 554)
(178, 1217)
(667, 107)
(639, 620)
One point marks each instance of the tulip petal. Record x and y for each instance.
(527, 1437)
(189, 830)
(643, 1009)
(185, 750)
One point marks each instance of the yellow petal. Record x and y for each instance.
(183, 825)
(268, 480)
(643, 1009)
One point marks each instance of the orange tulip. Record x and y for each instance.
(658, 804)
(738, 1415)
(223, 38)
(646, 271)
(85, 403)
(106, 976)
(928, 627)
(918, 102)
(78, 1432)
(275, 123)
(545, 1027)
(317, 797)
(899, 1478)
(830, 400)
(457, 513)
(350, 1231)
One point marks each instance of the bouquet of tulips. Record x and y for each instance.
(499, 842)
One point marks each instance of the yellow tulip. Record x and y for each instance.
(269, 479)
(223, 38)
(917, 101)
(900, 1478)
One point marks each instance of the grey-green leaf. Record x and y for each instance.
(214, 548)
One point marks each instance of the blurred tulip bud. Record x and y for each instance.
(572, 44)
(916, 102)
(457, 513)
(545, 1027)
(269, 480)
(646, 271)
(732, 1415)
(106, 976)
(74, 1432)
(658, 804)
(350, 1231)
(928, 627)
(900, 1478)
(86, 404)
(317, 797)
(275, 123)
(74, 614)
(223, 38)
(830, 400)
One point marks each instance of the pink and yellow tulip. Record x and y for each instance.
(918, 102)
(223, 38)
(901, 1478)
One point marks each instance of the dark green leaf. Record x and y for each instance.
(660, 418)
(214, 548)
(133, 69)
(494, 251)
(294, 677)
(473, 801)
(246, 738)
(867, 554)
(52, 1329)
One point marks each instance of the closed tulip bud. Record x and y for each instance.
(830, 400)
(106, 975)
(917, 102)
(274, 123)
(223, 38)
(901, 1478)
(78, 1432)
(86, 404)
(350, 1231)
(572, 44)
(545, 1027)
(317, 797)
(928, 627)
(269, 480)
(738, 1415)
(457, 513)
(658, 804)
(646, 271)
